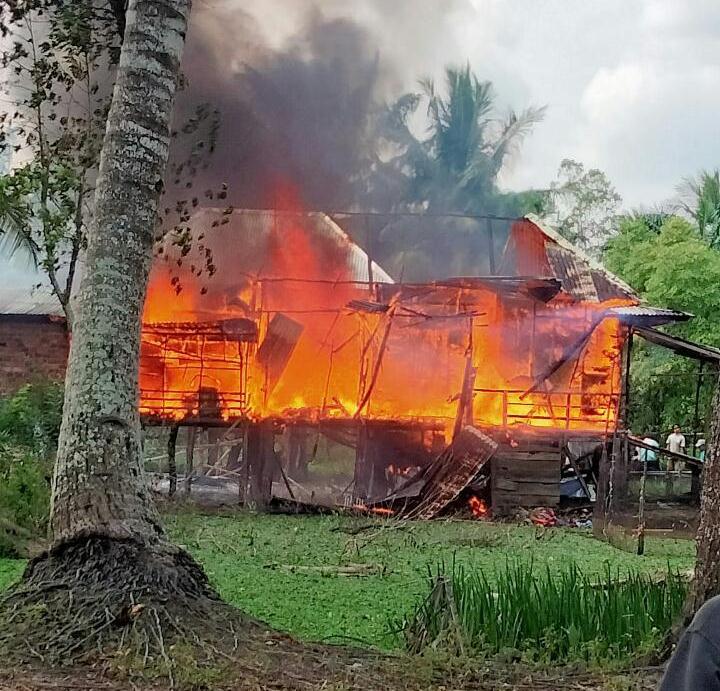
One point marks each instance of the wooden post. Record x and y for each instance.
(641, 512)
(696, 473)
(601, 494)
(297, 452)
(189, 458)
(621, 465)
(172, 465)
(260, 466)
(464, 411)
(491, 246)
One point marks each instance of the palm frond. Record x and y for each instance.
(513, 130)
(15, 235)
(700, 199)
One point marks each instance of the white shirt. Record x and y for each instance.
(676, 442)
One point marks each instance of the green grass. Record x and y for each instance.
(546, 617)
(10, 571)
(239, 550)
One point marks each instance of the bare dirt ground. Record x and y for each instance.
(397, 676)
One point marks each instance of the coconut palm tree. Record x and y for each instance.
(467, 145)
(700, 198)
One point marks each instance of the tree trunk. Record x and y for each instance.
(706, 583)
(111, 581)
(99, 485)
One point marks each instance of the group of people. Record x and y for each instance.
(675, 443)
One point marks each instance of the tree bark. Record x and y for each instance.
(706, 583)
(99, 484)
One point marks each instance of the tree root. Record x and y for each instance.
(148, 612)
(138, 604)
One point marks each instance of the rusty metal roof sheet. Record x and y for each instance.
(607, 284)
(574, 274)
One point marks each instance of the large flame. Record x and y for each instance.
(405, 360)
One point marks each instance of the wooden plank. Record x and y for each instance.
(527, 468)
(516, 455)
(453, 470)
(543, 488)
(513, 501)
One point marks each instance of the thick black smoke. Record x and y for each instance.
(296, 117)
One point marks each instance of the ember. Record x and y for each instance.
(479, 508)
(377, 510)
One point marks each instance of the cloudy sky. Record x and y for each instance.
(632, 86)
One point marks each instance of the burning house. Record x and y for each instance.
(294, 333)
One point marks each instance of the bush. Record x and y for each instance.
(545, 618)
(24, 498)
(31, 417)
(29, 428)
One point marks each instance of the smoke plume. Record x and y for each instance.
(298, 114)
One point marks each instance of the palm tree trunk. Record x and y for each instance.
(99, 485)
(111, 580)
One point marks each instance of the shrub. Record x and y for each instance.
(31, 417)
(24, 498)
(544, 618)
(29, 428)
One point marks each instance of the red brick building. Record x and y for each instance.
(34, 342)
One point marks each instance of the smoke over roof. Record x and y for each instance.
(295, 114)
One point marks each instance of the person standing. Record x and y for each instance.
(676, 444)
(646, 456)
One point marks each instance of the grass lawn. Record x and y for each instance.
(241, 553)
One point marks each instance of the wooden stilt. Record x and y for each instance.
(172, 465)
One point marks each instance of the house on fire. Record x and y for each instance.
(278, 328)
(298, 334)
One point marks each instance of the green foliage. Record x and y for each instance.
(57, 65)
(24, 499)
(585, 204)
(456, 167)
(702, 202)
(31, 417)
(546, 617)
(10, 571)
(29, 428)
(670, 267)
(238, 552)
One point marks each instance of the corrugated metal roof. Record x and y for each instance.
(256, 226)
(681, 346)
(21, 301)
(647, 316)
(621, 289)
(574, 274)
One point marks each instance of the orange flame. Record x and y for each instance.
(408, 362)
(479, 508)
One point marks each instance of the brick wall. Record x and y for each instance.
(31, 347)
